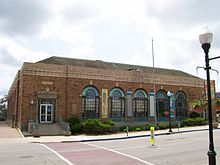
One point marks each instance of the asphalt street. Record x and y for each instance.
(176, 149)
(188, 148)
(26, 154)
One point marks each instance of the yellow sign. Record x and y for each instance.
(152, 136)
(104, 103)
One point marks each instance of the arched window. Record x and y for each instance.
(162, 104)
(117, 103)
(140, 104)
(181, 105)
(90, 103)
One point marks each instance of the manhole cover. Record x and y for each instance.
(26, 157)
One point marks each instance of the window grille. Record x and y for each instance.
(90, 103)
(140, 104)
(116, 104)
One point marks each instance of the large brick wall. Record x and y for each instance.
(66, 83)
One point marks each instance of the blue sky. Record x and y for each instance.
(109, 30)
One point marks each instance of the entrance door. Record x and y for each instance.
(46, 113)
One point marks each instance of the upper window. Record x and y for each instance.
(90, 102)
(116, 103)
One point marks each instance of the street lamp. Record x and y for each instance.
(206, 39)
(169, 95)
(32, 107)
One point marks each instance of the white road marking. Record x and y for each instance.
(117, 152)
(60, 156)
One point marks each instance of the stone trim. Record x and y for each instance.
(40, 69)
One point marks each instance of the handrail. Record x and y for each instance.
(64, 125)
(35, 127)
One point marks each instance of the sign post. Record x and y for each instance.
(152, 136)
(152, 105)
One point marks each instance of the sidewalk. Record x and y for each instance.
(8, 132)
(118, 136)
(9, 135)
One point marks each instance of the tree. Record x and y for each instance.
(3, 107)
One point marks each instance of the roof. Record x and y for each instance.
(109, 65)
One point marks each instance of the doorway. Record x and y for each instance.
(46, 113)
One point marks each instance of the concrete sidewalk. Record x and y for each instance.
(118, 136)
(7, 133)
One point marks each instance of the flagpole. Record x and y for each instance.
(154, 86)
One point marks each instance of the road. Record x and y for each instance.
(176, 149)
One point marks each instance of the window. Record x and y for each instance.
(116, 103)
(90, 103)
(181, 105)
(140, 104)
(161, 104)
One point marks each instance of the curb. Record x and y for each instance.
(19, 131)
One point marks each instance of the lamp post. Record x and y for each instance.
(169, 95)
(32, 107)
(206, 39)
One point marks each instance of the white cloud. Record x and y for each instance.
(110, 30)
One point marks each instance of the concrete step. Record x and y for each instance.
(50, 129)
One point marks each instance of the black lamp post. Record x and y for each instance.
(169, 95)
(205, 39)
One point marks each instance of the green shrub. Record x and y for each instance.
(75, 126)
(110, 122)
(106, 128)
(137, 129)
(162, 125)
(194, 115)
(73, 120)
(132, 127)
(125, 130)
(92, 126)
(95, 126)
(193, 122)
(144, 127)
(114, 129)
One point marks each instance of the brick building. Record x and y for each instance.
(51, 90)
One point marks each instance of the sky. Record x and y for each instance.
(118, 31)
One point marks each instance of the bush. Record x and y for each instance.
(75, 126)
(123, 128)
(110, 122)
(95, 126)
(194, 115)
(115, 129)
(92, 126)
(162, 125)
(193, 122)
(138, 129)
(73, 120)
(106, 128)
